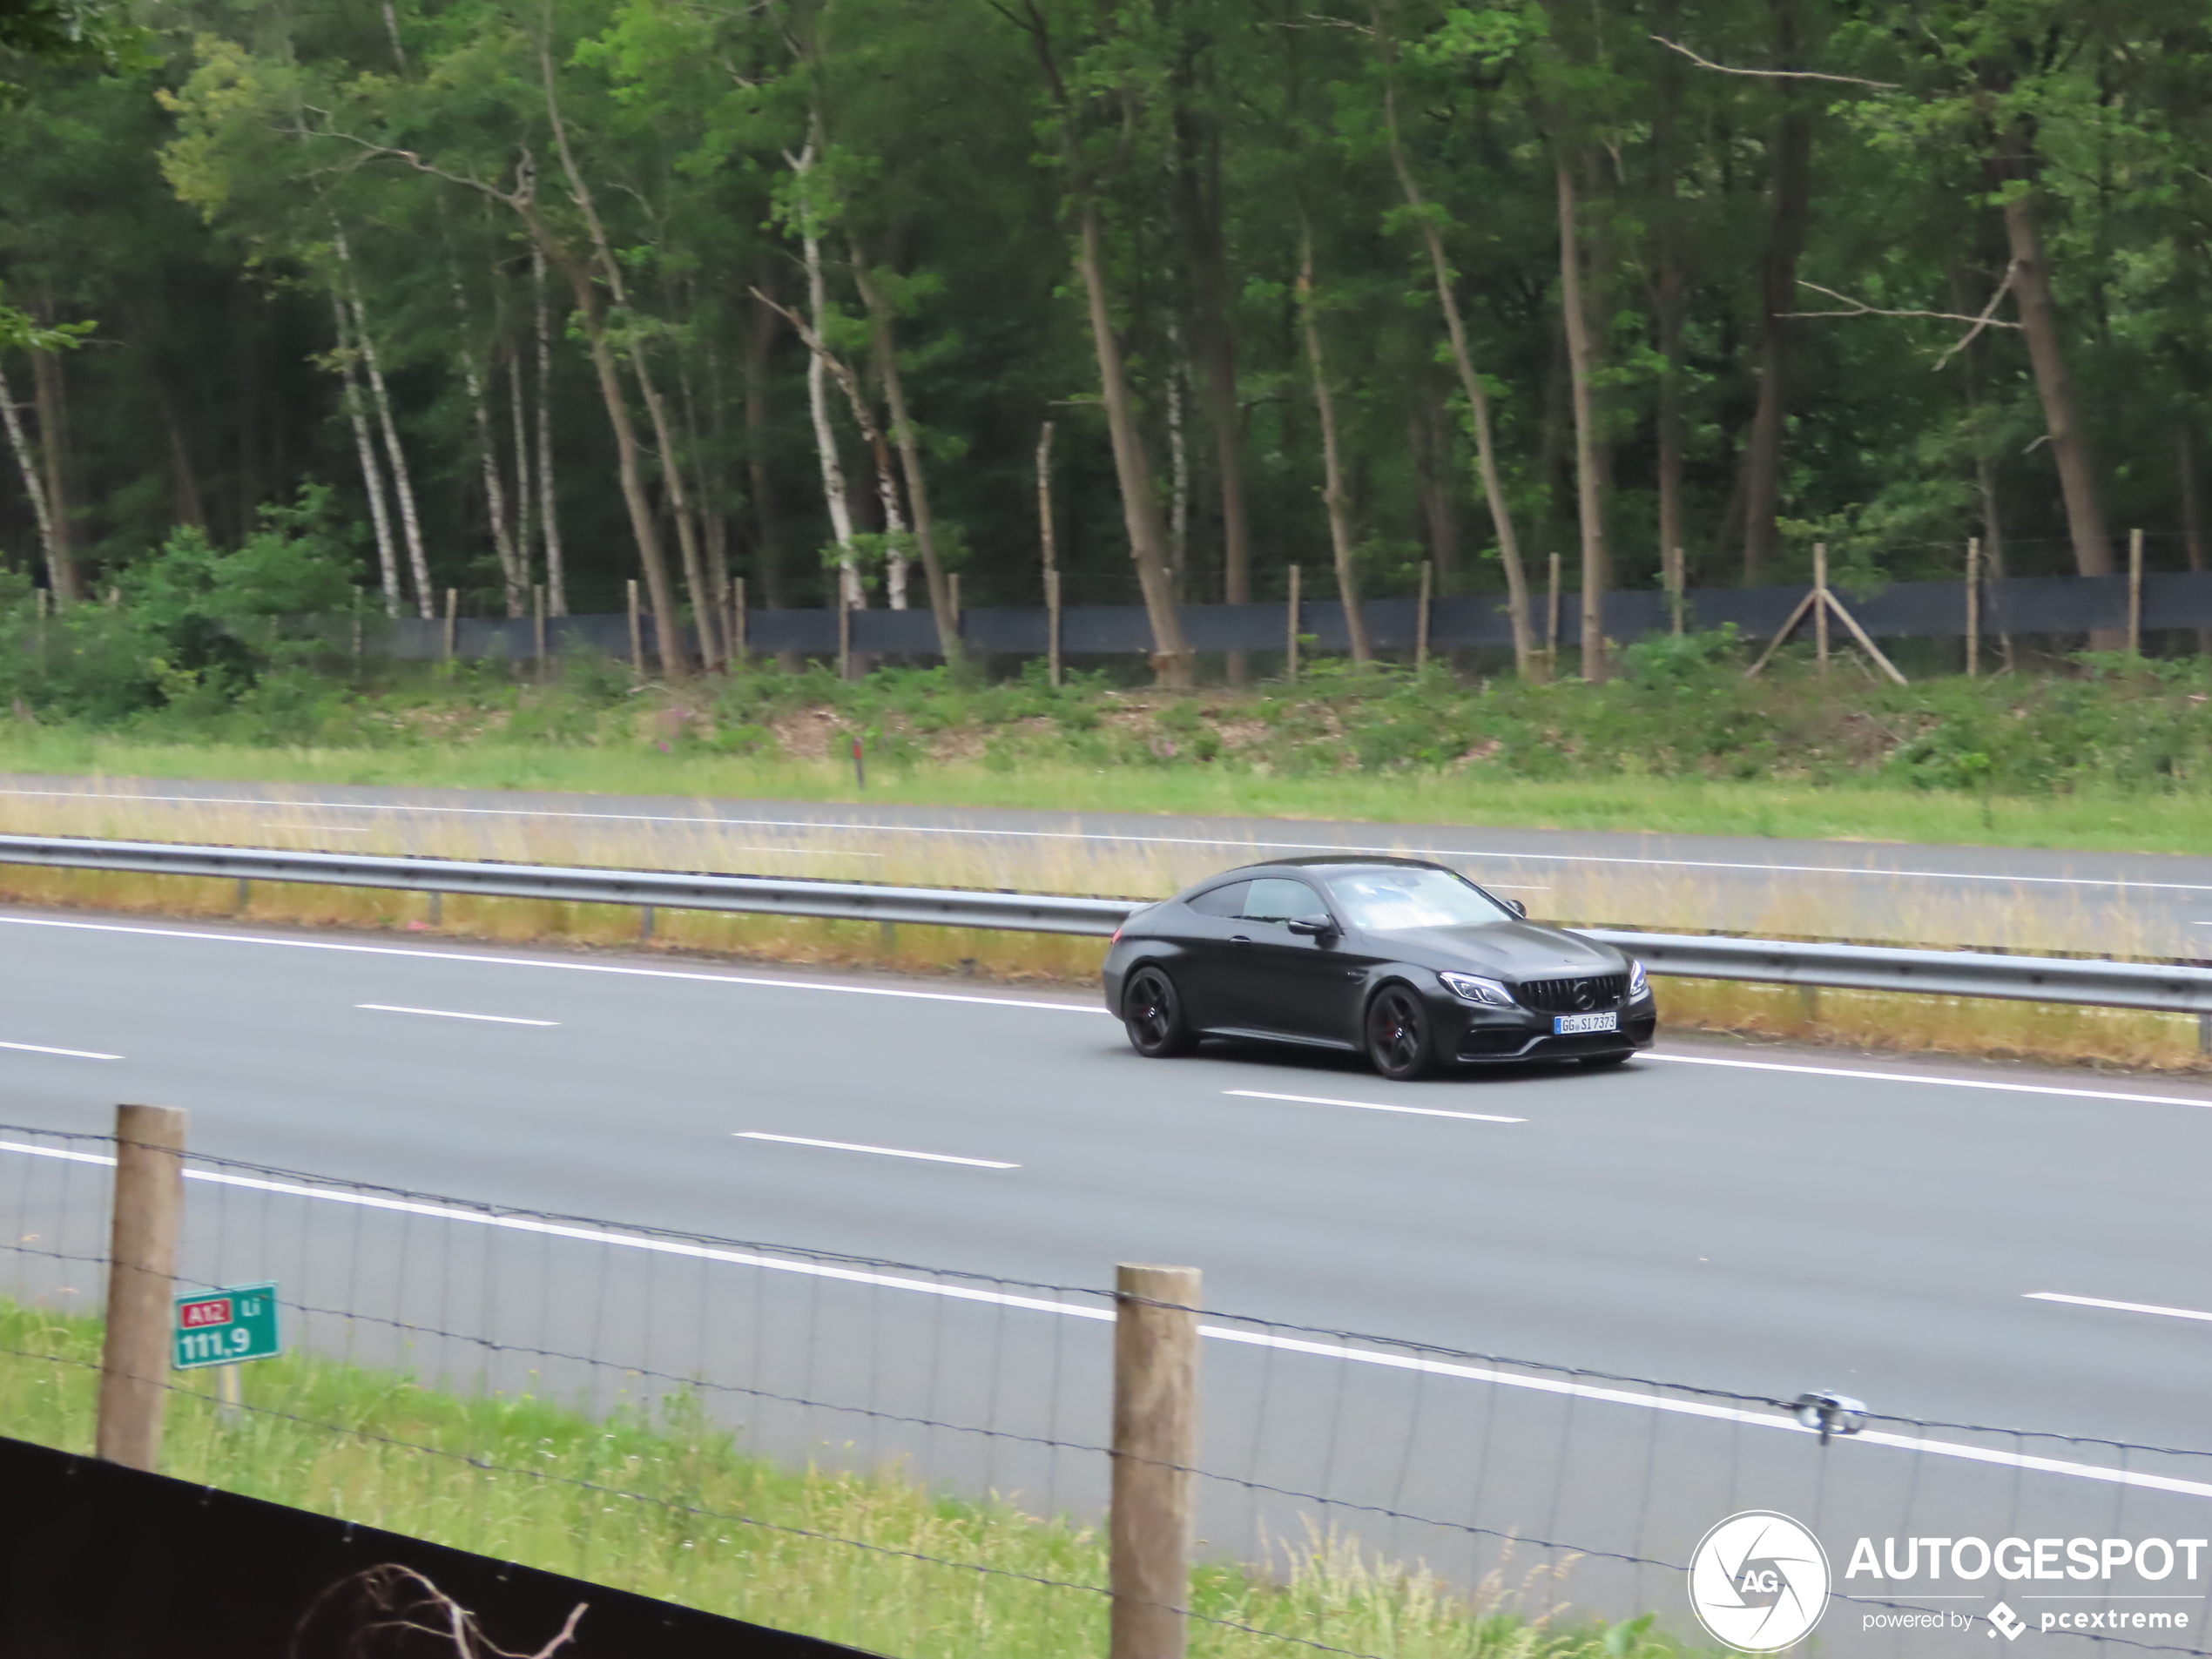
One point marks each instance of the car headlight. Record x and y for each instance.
(1469, 988)
(1639, 982)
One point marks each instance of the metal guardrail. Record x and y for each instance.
(2159, 986)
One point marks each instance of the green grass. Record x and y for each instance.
(2085, 821)
(667, 1504)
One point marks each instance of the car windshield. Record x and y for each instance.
(1383, 901)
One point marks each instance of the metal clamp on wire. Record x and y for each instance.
(1830, 1414)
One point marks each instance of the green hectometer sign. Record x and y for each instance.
(222, 1327)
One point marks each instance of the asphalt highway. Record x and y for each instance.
(2128, 904)
(1763, 1220)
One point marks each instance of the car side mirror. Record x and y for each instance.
(1518, 908)
(1307, 929)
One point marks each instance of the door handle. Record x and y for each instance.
(1240, 938)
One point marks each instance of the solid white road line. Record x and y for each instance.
(881, 1152)
(1399, 848)
(67, 1054)
(537, 961)
(1372, 1106)
(2118, 1307)
(1939, 1082)
(448, 1014)
(1788, 1425)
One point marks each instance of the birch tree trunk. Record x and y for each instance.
(365, 446)
(850, 594)
(2038, 317)
(666, 623)
(62, 573)
(1589, 493)
(556, 575)
(902, 427)
(33, 485)
(1171, 659)
(1486, 448)
(515, 584)
(396, 453)
(1339, 504)
(518, 435)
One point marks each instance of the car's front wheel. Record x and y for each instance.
(1152, 1014)
(1400, 1036)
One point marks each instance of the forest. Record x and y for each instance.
(843, 298)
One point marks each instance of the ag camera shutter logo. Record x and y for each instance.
(1758, 1581)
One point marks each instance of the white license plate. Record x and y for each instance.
(1569, 1025)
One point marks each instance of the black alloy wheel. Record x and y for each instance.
(1398, 1034)
(1153, 1014)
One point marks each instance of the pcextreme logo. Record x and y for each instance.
(1758, 1581)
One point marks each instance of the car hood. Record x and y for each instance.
(1516, 950)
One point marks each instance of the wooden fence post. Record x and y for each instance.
(1551, 625)
(637, 630)
(1674, 590)
(453, 610)
(538, 624)
(1420, 619)
(142, 1272)
(1052, 624)
(738, 641)
(1973, 606)
(2134, 593)
(1820, 604)
(1155, 1447)
(953, 583)
(1290, 648)
(844, 635)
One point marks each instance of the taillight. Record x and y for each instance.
(1117, 938)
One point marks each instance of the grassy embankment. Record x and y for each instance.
(2119, 759)
(670, 1505)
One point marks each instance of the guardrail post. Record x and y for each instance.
(142, 1272)
(1156, 1446)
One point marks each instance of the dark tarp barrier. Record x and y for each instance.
(99, 1562)
(2065, 605)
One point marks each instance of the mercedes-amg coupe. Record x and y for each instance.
(1407, 962)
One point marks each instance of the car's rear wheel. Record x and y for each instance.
(1152, 1014)
(1400, 1036)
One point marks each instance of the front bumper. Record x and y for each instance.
(1492, 1037)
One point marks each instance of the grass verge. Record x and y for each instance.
(668, 1504)
(2087, 820)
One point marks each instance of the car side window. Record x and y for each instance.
(1222, 901)
(1275, 899)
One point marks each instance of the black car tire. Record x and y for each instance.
(1152, 1014)
(1400, 1037)
(1606, 1062)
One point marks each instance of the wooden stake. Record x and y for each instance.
(453, 610)
(142, 1272)
(1973, 606)
(1820, 605)
(2134, 593)
(738, 622)
(1675, 590)
(1156, 1446)
(1290, 660)
(1420, 618)
(953, 581)
(1865, 643)
(1052, 623)
(1551, 625)
(637, 630)
(843, 635)
(537, 618)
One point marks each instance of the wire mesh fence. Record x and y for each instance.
(919, 1462)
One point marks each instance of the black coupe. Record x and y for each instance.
(1409, 962)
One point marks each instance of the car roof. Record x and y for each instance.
(1323, 862)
